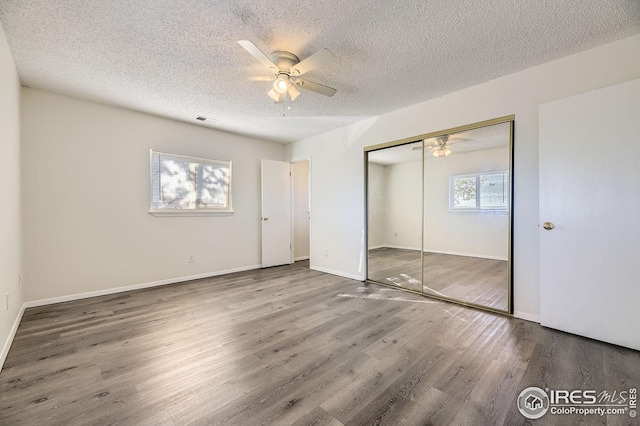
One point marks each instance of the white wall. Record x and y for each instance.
(86, 197)
(338, 171)
(300, 209)
(403, 205)
(483, 234)
(10, 224)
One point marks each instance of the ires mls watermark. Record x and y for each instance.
(534, 402)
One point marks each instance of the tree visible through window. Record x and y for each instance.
(188, 184)
(479, 191)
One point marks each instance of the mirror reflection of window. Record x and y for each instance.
(479, 192)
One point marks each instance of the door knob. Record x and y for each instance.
(548, 226)
(265, 218)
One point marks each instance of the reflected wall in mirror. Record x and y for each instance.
(439, 214)
(395, 216)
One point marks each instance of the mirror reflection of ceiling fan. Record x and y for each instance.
(439, 146)
(286, 67)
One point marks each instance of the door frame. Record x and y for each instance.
(293, 247)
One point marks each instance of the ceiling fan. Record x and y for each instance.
(439, 146)
(286, 67)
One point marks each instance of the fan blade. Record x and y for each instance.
(427, 145)
(316, 87)
(317, 59)
(293, 92)
(262, 78)
(257, 53)
(427, 149)
(275, 96)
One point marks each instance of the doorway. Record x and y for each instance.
(301, 209)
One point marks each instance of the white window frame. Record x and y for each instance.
(196, 211)
(478, 209)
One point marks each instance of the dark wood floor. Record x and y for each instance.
(290, 346)
(470, 279)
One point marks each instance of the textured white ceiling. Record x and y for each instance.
(180, 59)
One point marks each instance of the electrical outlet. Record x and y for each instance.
(7, 297)
(395, 235)
(192, 258)
(326, 253)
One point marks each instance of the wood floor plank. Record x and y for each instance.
(318, 417)
(396, 398)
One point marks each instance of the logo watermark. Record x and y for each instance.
(534, 402)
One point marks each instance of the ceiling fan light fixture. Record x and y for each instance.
(442, 152)
(284, 64)
(281, 84)
(293, 92)
(274, 95)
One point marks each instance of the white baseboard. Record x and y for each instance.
(295, 259)
(400, 247)
(526, 316)
(12, 334)
(50, 301)
(338, 273)
(454, 253)
(480, 256)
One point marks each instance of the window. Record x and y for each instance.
(479, 192)
(183, 185)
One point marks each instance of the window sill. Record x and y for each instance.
(496, 212)
(187, 213)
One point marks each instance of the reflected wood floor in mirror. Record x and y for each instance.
(396, 266)
(291, 346)
(471, 279)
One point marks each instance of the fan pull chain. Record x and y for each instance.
(285, 109)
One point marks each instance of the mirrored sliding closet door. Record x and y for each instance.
(439, 214)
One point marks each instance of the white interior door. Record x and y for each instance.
(590, 191)
(276, 213)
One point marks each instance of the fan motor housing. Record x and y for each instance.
(284, 60)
